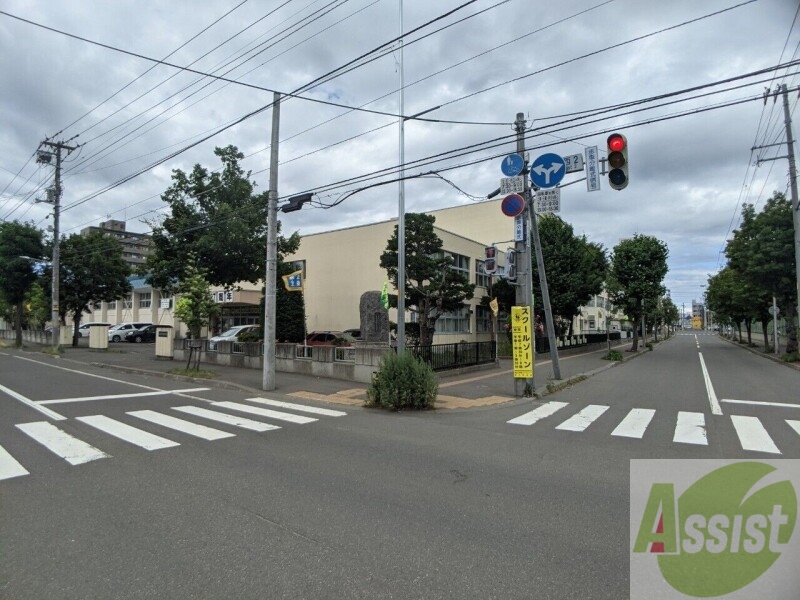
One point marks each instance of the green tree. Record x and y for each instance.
(195, 306)
(217, 218)
(432, 286)
(575, 267)
(17, 274)
(38, 304)
(638, 268)
(91, 270)
(762, 251)
(733, 299)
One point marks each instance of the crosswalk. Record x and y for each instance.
(76, 451)
(689, 427)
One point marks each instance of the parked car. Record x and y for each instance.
(329, 338)
(117, 333)
(83, 330)
(144, 334)
(230, 335)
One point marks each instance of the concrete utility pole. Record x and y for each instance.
(401, 210)
(525, 291)
(58, 147)
(270, 299)
(793, 185)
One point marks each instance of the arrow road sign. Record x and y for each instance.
(548, 170)
(512, 165)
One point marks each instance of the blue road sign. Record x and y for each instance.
(548, 170)
(512, 165)
(512, 205)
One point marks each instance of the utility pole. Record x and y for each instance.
(270, 299)
(401, 210)
(58, 147)
(525, 291)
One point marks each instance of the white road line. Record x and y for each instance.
(545, 410)
(301, 407)
(34, 405)
(60, 443)
(126, 433)
(264, 412)
(9, 467)
(201, 431)
(116, 396)
(234, 420)
(794, 425)
(752, 435)
(635, 423)
(691, 429)
(760, 403)
(716, 409)
(584, 418)
(46, 364)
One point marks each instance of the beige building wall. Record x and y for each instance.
(483, 222)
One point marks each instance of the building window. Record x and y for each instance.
(481, 278)
(112, 305)
(454, 322)
(145, 299)
(460, 264)
(483, 319)
(592, 322)
(127, 302)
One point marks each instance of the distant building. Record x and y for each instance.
(698, 315)
(135, 246)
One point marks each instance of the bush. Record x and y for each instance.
(793, 357)
(649, 345)
(613, 355)
(403, 382)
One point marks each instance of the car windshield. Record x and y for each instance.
(230, 333)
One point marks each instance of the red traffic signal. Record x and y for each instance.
(490, 260)
(617, 145)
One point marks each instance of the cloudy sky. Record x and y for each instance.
(686, 71)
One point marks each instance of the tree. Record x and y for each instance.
(91, 270)
(762, 250)
(638, 268)
(575, 267)
(217, 218)
(432, 286)
(19, 243)
(734, 300)
(195, 306)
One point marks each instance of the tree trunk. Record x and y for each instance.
(635, 344)
(20, 314)
(764, 325)
(748, 325)
(739, 327)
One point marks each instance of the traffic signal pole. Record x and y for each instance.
(525, 270)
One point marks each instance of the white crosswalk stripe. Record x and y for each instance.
(9, 467)
(752, 435)
(635, 423)
(60, 443)
(234, 420)
(201, 431)
(125, 432)
(691, 429)
(545, 410)
(299, 407)
(265, 412)
(583, 419)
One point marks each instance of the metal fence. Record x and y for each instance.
(453, 356)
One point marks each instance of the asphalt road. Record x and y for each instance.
(367, 504)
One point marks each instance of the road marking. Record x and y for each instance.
(545, 410)
(760, 403)
(60, 443)
(752, 434)
(118, 396)
(234, 420)
(583, 419)
(794, 425)
(201, 431)
(264, 412)
(9, 467)
(635, 423)
(34, 405)
(44, 364)
(716, 409)
(301, 407)
(126, 433)
(691, 429)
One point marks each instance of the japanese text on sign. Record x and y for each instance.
(512, 185)
(592, 171)
(522, 341)
(548, 200)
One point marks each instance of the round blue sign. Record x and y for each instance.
(512, 165)
(512, 205)
(548, 170)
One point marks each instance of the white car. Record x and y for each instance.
(230, 335)
(117, 333)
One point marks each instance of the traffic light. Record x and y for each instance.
(511, 265)
(490, 260)
(617, 161)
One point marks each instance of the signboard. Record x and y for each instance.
(592, 170)
(512, 205)
(548, 170)
(519, 228)
(165, 302)
(574, 163)
(522, 341)
(548, 200)
(512, 165)
(512, 185)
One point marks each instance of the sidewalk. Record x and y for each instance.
(489, 385)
